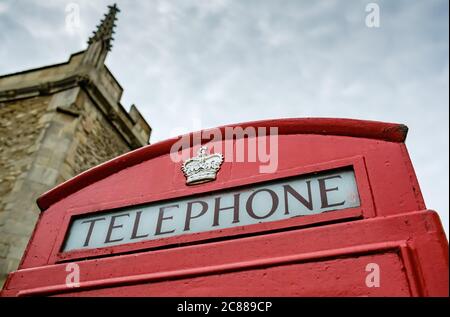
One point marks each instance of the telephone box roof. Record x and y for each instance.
(390, 132)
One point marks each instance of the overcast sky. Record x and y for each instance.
(192, 64)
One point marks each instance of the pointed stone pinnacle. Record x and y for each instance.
(105, 29)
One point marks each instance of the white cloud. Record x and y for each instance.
(3, 7)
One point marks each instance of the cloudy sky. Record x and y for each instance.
(192, 64)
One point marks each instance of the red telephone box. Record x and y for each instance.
(341, 214)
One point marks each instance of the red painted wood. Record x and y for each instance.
(323, 254)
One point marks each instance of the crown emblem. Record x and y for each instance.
(202, 168)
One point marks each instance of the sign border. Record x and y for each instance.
(364, 211)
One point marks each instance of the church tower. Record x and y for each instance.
(56, 122)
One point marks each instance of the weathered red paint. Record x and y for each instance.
(320, 255)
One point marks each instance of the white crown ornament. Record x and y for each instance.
(202, 168)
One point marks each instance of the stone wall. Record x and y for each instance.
(95, 140)
(56, 121)
(45, 141)
(21, 130)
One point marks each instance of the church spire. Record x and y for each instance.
(105, 30)
(100, 41)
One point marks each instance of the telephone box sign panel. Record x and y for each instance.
(276, 200)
